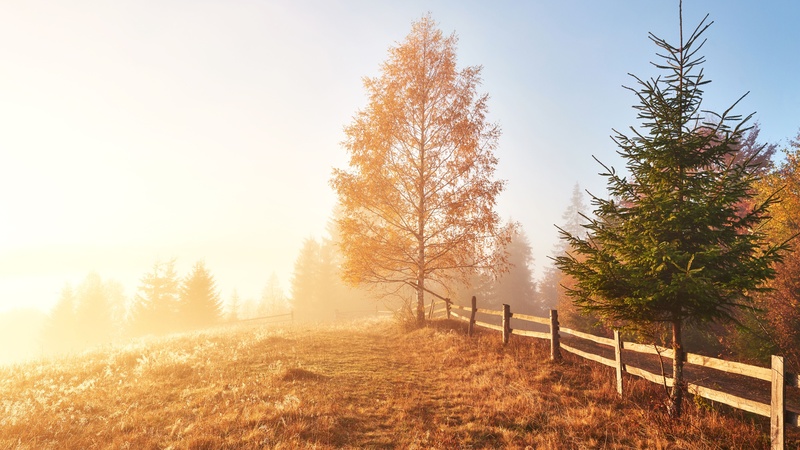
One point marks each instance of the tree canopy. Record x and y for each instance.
(418, 198)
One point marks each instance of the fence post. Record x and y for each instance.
(506, 323)
(555, 344)
(447, 305)
(472, 315)
(777, 404)
(618, 356)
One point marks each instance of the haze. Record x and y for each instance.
(137, 131)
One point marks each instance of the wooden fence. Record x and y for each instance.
(776, 375)
(286, 317)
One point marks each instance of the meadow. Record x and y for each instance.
(366, 384)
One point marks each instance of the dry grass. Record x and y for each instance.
(370, 385)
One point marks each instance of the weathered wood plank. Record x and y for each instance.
(777, 408)
(589, 356)
(541, 320)
(744, 404)
(459, 316)
(462, 308)
(649, 376)
(533, 334)
(619, 366)
(506, 323)
(589, 337)
(471, 328)
(555, 338)
(762, 373)
(488, 325)
(649, 349)
(490, 311)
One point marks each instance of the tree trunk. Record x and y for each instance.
(420, 301)
(676, 396)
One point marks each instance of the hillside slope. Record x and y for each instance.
(367, 385)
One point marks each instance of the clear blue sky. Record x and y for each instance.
(138, 130)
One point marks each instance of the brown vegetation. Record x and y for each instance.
(369, 385)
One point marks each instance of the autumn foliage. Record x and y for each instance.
(418, 197)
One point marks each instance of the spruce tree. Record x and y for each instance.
(199, 305)
(671, 245)
(155, 305)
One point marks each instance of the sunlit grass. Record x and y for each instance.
(364, 385)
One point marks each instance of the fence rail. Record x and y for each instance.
(778, 378)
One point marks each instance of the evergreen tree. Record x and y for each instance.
(199, 304)
(551, 292)
(93, 312)
(305, 282)
(233, 307)
(273, 300)
(572, 219)
(516, 287)
(59, 334)
(670, 245)
(155, 308)
(340, 296)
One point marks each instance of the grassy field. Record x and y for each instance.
(366, 385)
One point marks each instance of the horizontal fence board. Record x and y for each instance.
(649, 376)
(728, 399)
(588, 337)
(792, 418)
(649, 349)
(462, 308)
(589, 356)
(489, 311)
(266, 317)
(488, 325)
(762, 373)
(534, 334)
(459, 316)
(542, 320)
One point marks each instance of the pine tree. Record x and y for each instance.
(199, 304)
(516, 287)
(670, 246)
(155, 308)
(306, 298)
(234, 305)
(550, 289)
(93, 312)
(273, 300)
(60, 331)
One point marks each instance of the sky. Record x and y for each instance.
(138, 131)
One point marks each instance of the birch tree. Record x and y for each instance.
(419, 195)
